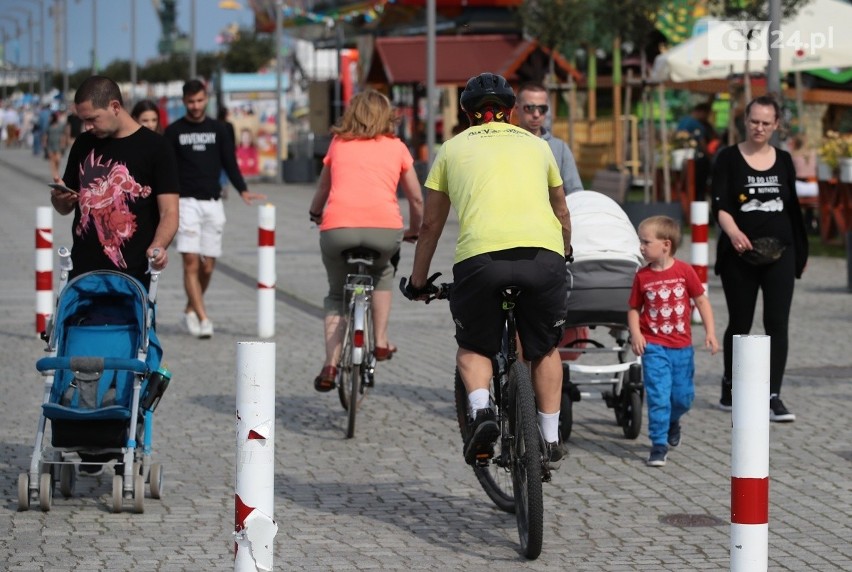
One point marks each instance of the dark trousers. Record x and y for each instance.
(741, 282)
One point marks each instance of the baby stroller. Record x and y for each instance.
(595, 347)
(103, 382)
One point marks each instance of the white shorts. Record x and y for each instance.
(201, 226)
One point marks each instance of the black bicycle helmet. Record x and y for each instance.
(486, 88)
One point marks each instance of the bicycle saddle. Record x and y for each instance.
(360, 254)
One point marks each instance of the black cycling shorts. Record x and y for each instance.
(475, 300)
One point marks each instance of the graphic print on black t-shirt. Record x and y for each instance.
(764, 194)
(106, 190)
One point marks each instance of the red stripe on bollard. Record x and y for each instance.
(701, 270)
(44, 280)
(700, 233)
(265, 286)
(749, 500)
(265, 237)
(44, 238)
(41, 323)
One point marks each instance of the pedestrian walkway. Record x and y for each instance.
(399, 496)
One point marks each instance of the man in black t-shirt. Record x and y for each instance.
(125, 185)
(203, 149)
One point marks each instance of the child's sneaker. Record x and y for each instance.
(657, 458)
(674, 434)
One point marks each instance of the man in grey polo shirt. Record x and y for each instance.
(531, 109)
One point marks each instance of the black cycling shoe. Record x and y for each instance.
(483, 433)
(555, 453)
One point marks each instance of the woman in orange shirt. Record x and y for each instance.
(356, 205)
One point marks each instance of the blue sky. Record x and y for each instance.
(113, 29)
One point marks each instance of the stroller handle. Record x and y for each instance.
(91, 364)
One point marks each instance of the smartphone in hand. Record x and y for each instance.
(61, 187)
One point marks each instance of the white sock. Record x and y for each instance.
(478, 399)
(549, 424)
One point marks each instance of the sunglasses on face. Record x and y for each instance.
(532, 108)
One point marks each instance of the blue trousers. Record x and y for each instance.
(669, 390)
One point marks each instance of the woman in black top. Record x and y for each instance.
(763, 245)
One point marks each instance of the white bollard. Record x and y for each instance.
(266, 271)
(43, 267)
(699, 215)
(750, 455)
(254, 499)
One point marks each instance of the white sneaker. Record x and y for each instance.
(192, 324)
(205, 329)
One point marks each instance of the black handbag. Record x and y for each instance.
(765, 250)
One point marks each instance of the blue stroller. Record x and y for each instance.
(102, 383)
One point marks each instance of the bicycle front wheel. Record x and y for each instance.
(526, 461)
(495, 480)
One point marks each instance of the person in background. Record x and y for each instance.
(659, 318)
(531, 109)
(40, 128)
(763, 245)
(203, 148)
(698, 125)
(514, 229)
(147, 114)
(12, 125)
(55, 143)
(73, 125)
(356, 205)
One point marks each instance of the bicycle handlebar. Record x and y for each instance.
(430, 291)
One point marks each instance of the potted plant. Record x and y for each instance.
(835, 155)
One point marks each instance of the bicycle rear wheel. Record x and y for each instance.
(349, 384)
(495, 480)
(526, 461)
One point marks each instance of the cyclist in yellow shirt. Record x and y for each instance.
(514, 229)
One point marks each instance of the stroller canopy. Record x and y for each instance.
(601, 229)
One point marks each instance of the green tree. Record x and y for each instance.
(248, 53)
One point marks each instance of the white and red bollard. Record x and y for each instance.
(699, 215)
(266, 271)
(43, 267)
(254, 499)
(750, 455)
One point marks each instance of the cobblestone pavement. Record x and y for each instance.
(398, 496)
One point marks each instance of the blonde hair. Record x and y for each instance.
(368, 116)
(665, 228)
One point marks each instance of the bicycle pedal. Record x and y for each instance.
(483, 460)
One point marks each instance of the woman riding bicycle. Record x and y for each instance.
(514, 229)
(356, 206)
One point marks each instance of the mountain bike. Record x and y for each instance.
(513, 477)
(357, 361)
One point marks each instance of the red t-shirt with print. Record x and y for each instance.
(663, 300)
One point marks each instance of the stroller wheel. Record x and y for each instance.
(632, 417)
(117, 493)
(138, 494)
(24, 492)
(67, 479)
(156, 478)
(45, 491)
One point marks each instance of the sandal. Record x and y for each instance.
(383, 354)
(325, 381)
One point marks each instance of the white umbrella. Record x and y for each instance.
(815, 38)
